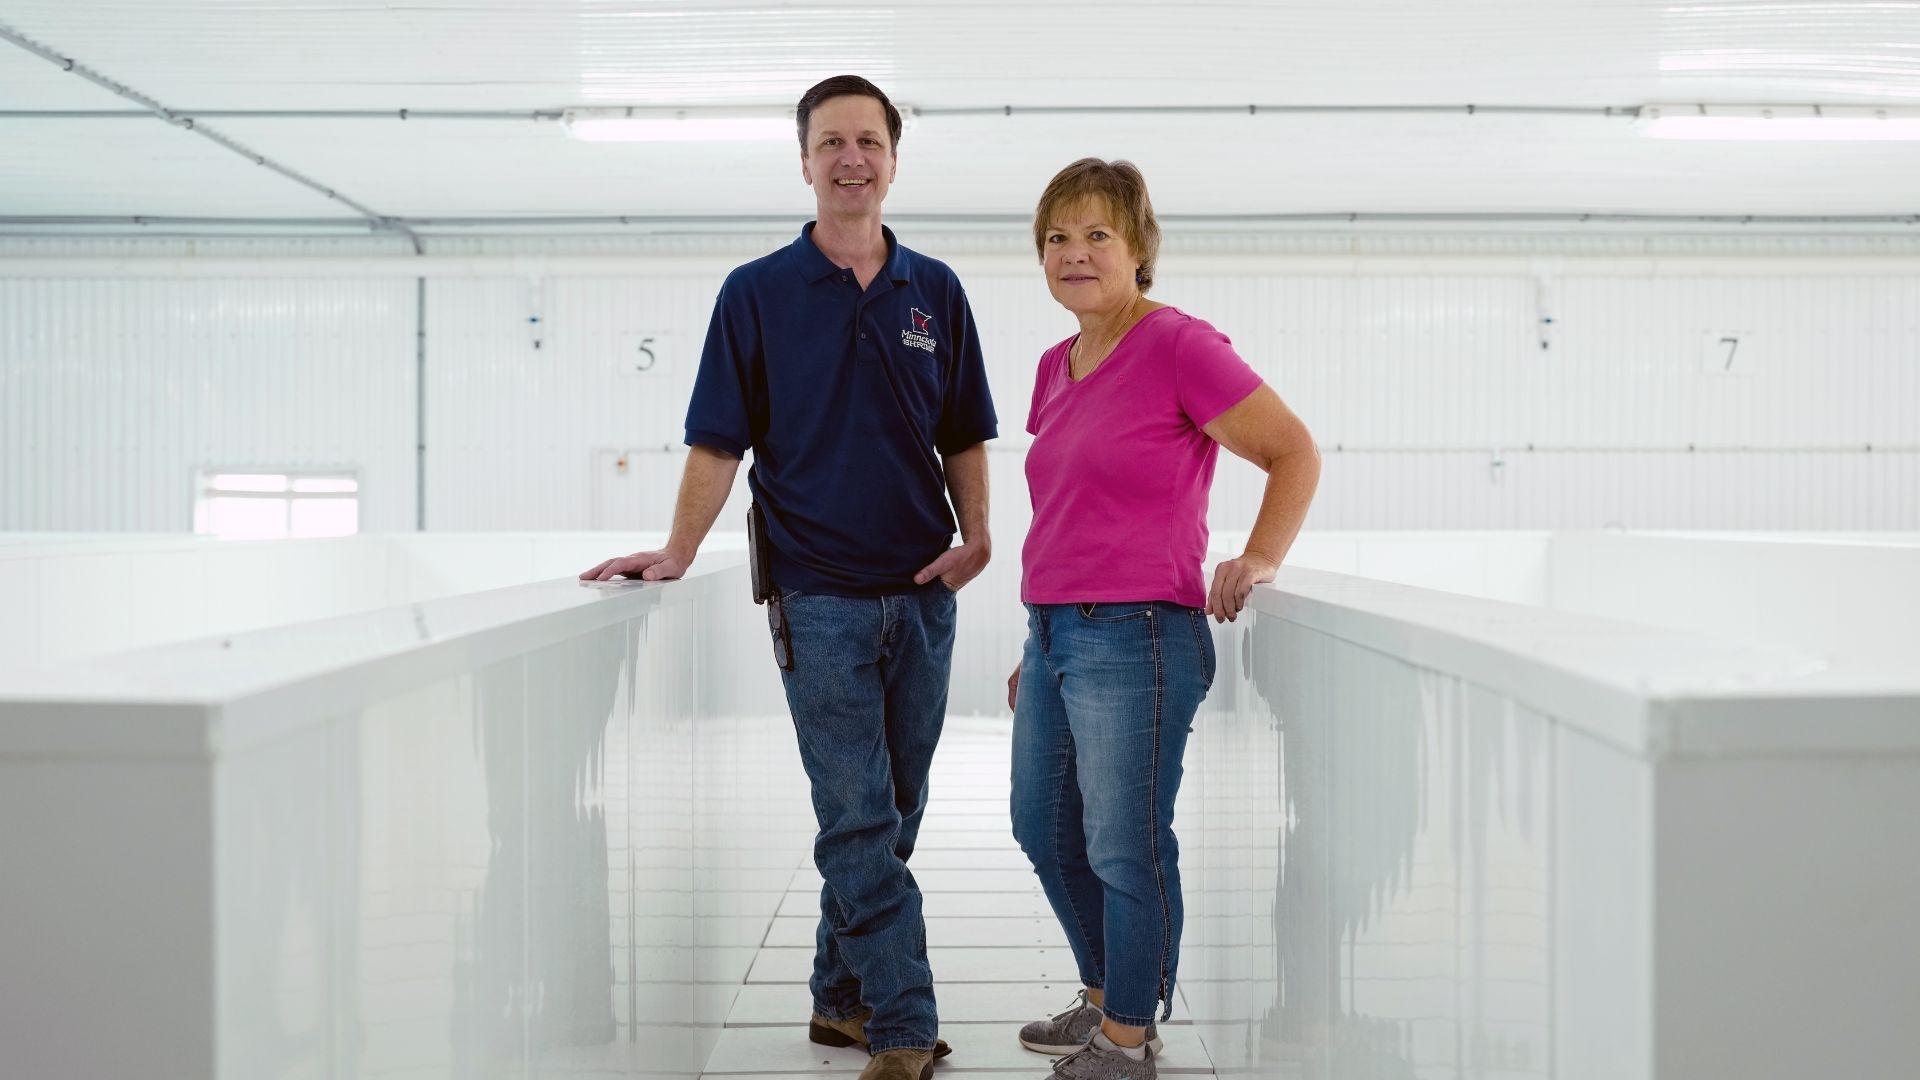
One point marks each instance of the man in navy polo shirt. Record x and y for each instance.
(849, 365)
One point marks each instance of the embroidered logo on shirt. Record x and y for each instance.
(921, 336)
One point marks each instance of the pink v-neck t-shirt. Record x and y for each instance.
(1119, 469)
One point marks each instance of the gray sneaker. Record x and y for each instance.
(1092, 1062)
(1071, 1030)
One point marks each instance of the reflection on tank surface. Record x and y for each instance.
(1374, 866)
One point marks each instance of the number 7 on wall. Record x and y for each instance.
(1726, 352)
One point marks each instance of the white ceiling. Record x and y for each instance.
(523, 55)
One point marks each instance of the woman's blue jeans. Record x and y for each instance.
(1107, 697)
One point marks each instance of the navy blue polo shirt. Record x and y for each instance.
(848, 399)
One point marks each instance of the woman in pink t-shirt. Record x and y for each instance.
(1128, 417)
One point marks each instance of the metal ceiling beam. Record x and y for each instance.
(1244, 109)
(679, 265)
(1255, 109)
(783, 221)
(374, 219)
(160, 220)
(288, 114)
(1218, 220)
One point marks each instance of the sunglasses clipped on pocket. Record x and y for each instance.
(782, 639)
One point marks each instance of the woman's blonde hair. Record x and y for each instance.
(1124, 190)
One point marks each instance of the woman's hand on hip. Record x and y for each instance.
(1233, 581)
(1013, 688)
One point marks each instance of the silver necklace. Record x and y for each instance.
(1126, 323)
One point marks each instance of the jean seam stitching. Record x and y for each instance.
(1059, 791)
(1059, 795)
(1153, 814)
(1198, 622)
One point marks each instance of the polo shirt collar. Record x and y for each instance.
(814, 265)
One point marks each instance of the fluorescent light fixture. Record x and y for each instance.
(1778, 122)
(679, 125)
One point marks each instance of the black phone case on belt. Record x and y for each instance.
(759, 556)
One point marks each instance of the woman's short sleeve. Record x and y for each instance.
(1043, 377)
(1208, 375)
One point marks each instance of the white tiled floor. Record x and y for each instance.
(999, 959)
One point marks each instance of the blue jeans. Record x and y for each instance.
(868, 694)
(1107, 697)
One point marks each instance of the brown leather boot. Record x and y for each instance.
(899, 1065)
(853, 1032)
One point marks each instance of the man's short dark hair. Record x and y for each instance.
(843, 86)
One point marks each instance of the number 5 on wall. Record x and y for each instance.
(642, 354)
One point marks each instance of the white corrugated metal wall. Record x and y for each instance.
(116, 391)
(1432, 394)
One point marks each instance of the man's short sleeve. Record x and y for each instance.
(719, 414)
(966, 416)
